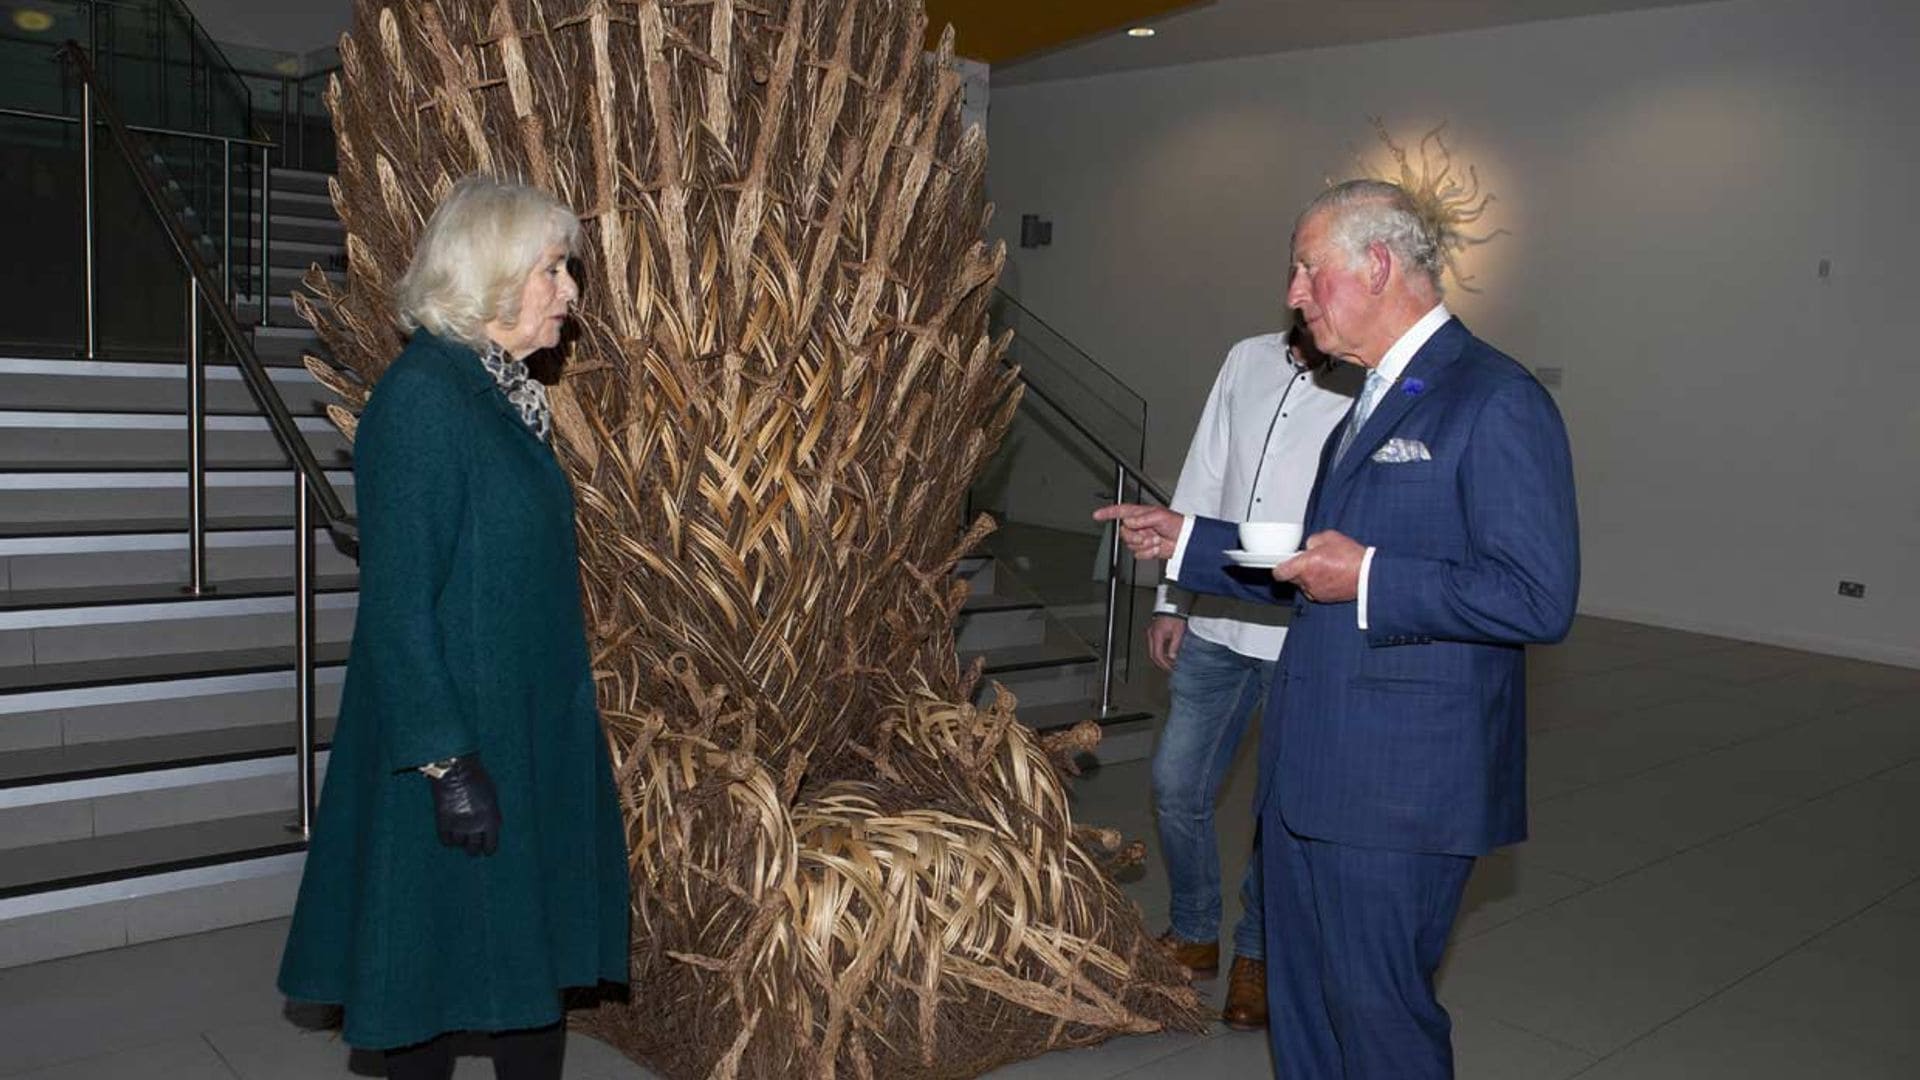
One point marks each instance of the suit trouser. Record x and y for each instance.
(1354, 936)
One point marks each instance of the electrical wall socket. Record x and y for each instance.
(1853, 590)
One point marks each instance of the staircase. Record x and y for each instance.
(147, 772)
(147, 765)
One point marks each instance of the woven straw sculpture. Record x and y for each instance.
(782, 386)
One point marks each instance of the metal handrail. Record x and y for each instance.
(293, 108)
(1107, 451)
(227, 143)
(1123, 471)
(140, 129)
(312, 488)
(1008, 298)
(194, 27)
(253, 372)
(313, 478)
(1126, 467)
(201, 42)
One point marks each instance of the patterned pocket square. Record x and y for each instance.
(1401, 451)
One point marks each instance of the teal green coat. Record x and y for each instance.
(469, 638)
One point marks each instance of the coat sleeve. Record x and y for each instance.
(410, 486)
(1205, 568)
(1520, 579)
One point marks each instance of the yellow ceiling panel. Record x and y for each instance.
(1000, 31)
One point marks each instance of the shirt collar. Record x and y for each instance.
(1402, 352)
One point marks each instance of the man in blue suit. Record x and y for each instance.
(1441, 540)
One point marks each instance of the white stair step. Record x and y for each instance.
(1054, 672)
(306, 181)
(296, 200)
(292, 252)
(1045, 718)
(103, 385)
(157, 621)
(160, 557)
(253, 874)
(190, 673)
(284, 279)
(999, 624)
(312, 230)
(248, 305)
(978, 570)
(285, 342)
(287, 210)
(121, 721)
(44, 826)
(1126, 740)
(118, 500)
(37, 438)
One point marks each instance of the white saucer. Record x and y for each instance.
(1257, 560)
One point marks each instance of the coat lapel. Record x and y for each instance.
(504, 407)
(1427, 366)
(474, 376)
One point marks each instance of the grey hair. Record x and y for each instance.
(1367, 212)
(475, 254)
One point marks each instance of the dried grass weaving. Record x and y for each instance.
(782, 385)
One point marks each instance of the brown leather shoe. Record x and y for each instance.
(1246, 1008)
(1200, 958)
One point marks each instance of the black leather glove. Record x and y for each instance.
(466, 809)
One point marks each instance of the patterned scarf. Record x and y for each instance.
(524, 391)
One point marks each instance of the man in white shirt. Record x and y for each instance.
(1252, 458)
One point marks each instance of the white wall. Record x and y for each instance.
(1746, 434)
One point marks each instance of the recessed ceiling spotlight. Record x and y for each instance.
(33, 22)
(1141, 31)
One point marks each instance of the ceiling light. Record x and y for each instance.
(33, 22)
(1141, 31)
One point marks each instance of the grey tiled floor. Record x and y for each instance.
(1724, 881)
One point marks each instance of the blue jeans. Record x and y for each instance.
(1215, 691)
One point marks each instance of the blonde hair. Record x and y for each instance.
(476, 252)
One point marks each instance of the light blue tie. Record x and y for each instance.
(1369, 394)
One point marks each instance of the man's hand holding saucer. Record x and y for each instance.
(1327, 570)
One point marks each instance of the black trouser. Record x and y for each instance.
(530, 1054)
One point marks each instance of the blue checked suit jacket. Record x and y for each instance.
(1411, 735)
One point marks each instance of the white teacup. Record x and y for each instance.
(1271, 537)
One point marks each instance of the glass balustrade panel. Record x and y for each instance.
(43, 279)
(1076, 423)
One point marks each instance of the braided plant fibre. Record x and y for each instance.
(781, 388)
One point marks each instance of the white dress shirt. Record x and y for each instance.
(1253, 458)
(1390, 368)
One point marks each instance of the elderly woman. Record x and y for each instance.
(468, 859)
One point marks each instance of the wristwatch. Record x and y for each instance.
(434, 770)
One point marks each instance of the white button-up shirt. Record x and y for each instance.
(1253, 458)
(1392, 366)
